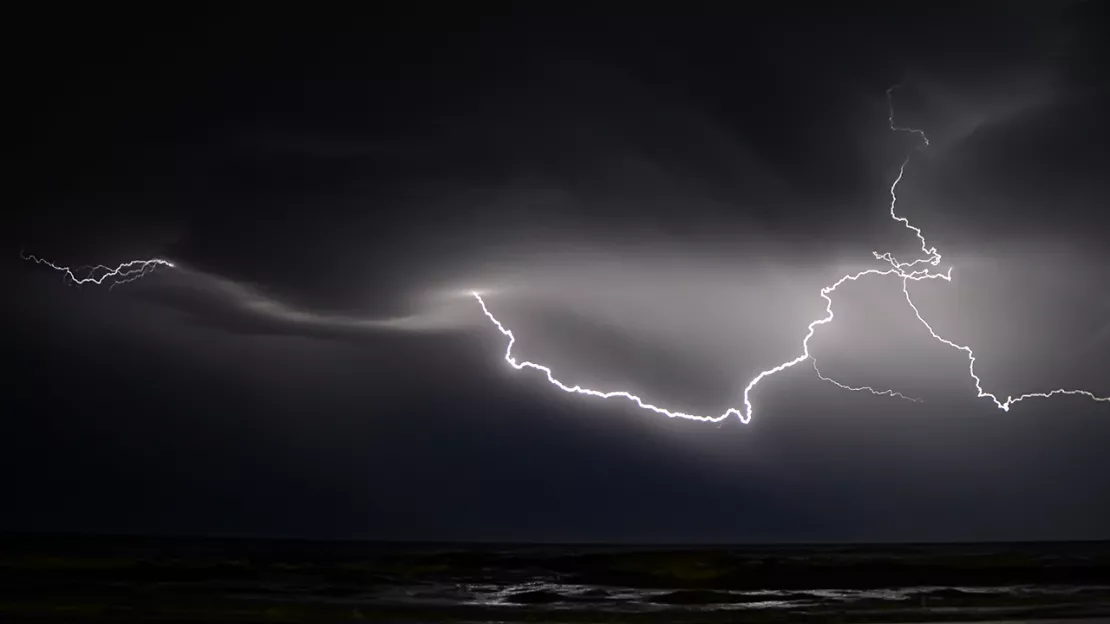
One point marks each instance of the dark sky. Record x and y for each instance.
(651, 202)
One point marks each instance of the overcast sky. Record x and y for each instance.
(651, 203)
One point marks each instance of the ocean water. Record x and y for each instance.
(75, 578)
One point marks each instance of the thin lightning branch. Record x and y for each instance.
(122, 274)
(904, 270)
(862, 388)
(931, 255)
(1010, 400)
(890, 118)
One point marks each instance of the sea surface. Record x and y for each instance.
(110, 579)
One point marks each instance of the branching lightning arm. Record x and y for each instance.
(922, 268)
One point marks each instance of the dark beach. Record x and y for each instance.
(500, 312)
(67, 578)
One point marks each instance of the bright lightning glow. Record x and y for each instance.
(746, 414)
(121, 274)
(903, 270)
(907, 271)
(594, 393)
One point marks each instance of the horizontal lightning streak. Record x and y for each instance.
(862, 388)
(121, 274)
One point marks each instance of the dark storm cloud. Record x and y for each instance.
(651, 203)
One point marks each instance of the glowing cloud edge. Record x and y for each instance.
(901, 269)
(134, 269)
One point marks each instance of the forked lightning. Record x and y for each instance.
(915, 270)
(903, 270)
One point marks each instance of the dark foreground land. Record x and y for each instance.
(118, 579)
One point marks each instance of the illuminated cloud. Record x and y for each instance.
(277, 316)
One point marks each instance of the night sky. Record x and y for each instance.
(650, 202)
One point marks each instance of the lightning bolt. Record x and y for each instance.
(863, 388)
(121, 274)
(933, 258)
(579, 389)
(904, 270)
(1010, 400)
(745, 415)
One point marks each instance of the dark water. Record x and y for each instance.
(69, 578)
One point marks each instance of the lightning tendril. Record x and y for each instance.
(904, 270)
(921, 268)
(121, 274)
